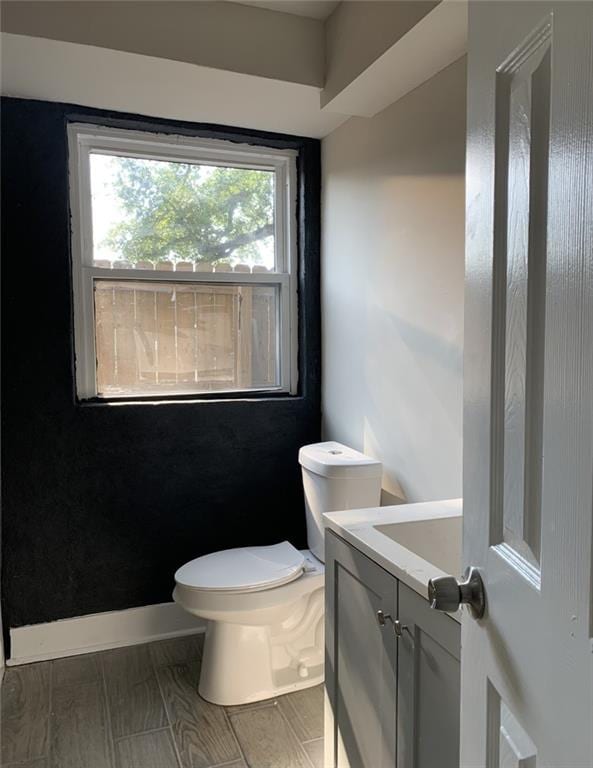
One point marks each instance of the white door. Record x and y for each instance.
(527, 666)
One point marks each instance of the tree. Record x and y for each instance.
(189, 212)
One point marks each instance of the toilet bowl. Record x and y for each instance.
(265, 605)
(263, 638)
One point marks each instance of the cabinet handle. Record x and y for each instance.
(398, 627)
(383, 618)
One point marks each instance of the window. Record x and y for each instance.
(184, 264)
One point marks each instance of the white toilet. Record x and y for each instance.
(264, 605)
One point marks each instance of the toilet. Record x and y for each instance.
(265, 605)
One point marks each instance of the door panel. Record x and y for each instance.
(360, 669)
(428, 686)
(522, 92)
(527, 667)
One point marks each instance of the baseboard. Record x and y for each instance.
(100, 632)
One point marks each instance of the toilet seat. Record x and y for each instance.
(245, 569)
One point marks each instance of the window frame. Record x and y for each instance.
(85, 139)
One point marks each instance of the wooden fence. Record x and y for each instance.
(176, 337)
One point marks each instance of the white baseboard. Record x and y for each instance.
(100, 632)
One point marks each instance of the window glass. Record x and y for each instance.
(157, 337)
(156, 214)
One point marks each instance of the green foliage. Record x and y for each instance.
(191, 213)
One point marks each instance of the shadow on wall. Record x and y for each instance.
(427, 368)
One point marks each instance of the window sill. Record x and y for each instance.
(197, 399)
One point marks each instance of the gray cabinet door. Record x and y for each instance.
(428, 685)
(360, 660)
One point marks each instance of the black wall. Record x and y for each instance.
(102, 503)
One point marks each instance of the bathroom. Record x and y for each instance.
(218, 545)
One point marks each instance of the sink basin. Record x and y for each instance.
(438, 541)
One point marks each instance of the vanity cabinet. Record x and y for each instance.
(360, 661)
(392, 669)
(428, 685)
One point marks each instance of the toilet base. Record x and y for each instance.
(243, 664)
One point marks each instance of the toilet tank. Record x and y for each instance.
(336, 477)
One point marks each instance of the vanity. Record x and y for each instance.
(392, 664)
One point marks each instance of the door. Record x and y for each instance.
(361, 657)
(427, 685)
(527, 666)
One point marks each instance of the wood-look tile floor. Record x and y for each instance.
(138, 707)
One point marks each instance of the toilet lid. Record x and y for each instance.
(243, 569)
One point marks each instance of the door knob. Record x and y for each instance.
(446, 593)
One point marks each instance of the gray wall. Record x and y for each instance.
(392, 287)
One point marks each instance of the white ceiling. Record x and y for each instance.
(314, 9)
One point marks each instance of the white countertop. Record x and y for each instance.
(359, 528)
